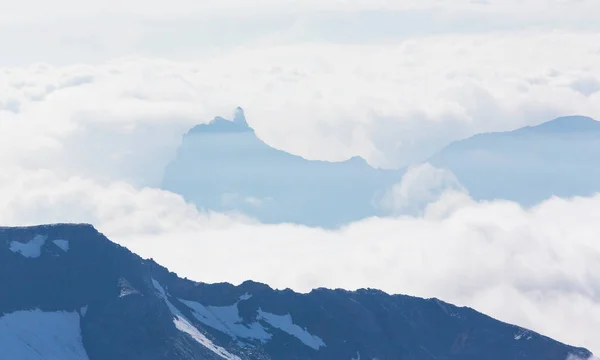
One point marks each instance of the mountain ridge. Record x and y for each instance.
(572, 123)
(224, 166)
(239, 124)
(530, 164)
(565, 124)
(132, 308)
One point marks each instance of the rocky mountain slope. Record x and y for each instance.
(69, 293)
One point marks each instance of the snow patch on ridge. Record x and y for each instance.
(125, 288)
(523, 334)
(227, 320)
(35, 335)
(62, 244)
(184, 325)
(31, 249)
(285, 324)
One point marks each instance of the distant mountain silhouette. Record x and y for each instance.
(560, 157)
(224, 166)
(69, 293)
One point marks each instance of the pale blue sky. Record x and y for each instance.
(67, 33)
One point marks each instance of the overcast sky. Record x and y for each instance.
(94, 97)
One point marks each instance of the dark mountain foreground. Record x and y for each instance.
(69, 293)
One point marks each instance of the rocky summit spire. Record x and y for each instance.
(222, 125)
(240, 118)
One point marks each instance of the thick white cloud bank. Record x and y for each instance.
(421, 185)
(393, 104)
(88, 143)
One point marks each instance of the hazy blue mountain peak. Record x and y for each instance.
(358, 160)
(224, 166)
(567, 124)
(222, 125)
(530, 164)
(239, 117)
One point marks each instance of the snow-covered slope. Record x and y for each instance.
(95, 300)
(35, 335)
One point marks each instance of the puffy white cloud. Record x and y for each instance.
(421, 185)
(110, 123)
(392, 104)
(33, 197)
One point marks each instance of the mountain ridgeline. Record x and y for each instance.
(69, 293)
(224, 166)
(528, 165)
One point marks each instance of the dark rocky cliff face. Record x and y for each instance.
(125, 307)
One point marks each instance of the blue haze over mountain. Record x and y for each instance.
(224, 166)
(560, 157)
(69, 293)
